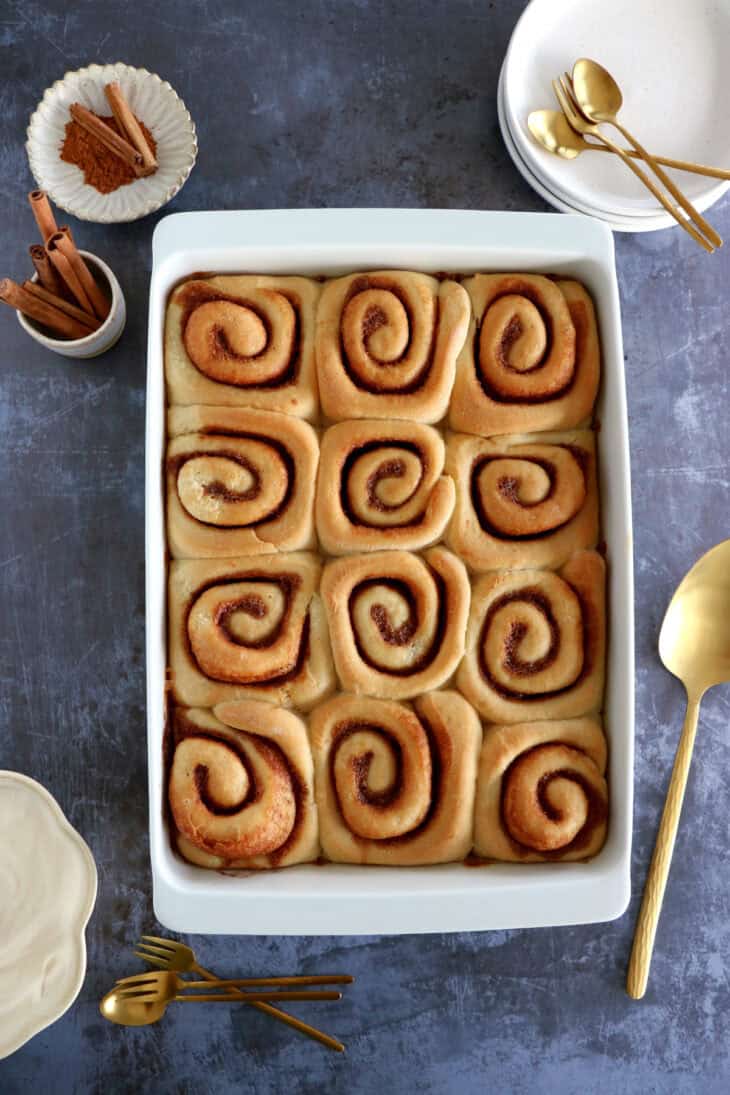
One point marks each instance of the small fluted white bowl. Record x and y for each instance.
(48, 886)
(154, 101)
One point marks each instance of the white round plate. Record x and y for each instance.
(154, 101)
(48, 888)
(672, 61)
(616, 222)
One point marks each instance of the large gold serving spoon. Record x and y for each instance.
(599, 98)
(550, 128)
(694, 644)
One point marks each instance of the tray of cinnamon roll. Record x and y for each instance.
(388, 527)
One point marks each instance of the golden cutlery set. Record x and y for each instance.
(590, 98)
(142, 999)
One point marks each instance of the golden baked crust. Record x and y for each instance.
(245, 341)
(523, 501)
(248, 755)
(397, 620)
(395, 785)
(531, 360)
(248, 628)
(239, 482)
(387, 343)
(541, 791)
(535, 646)
(381, 485)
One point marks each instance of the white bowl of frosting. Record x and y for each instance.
(48, 888)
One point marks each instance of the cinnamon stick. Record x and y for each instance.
(47, 275)
(42, 212)
(60, 242)
(32, 306)
(37, 290)
(111, 140)
(129, 125)
(68, 275)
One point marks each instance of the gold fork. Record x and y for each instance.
(169, 954)
(579, 123)
(166, 985)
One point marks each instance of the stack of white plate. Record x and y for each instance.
(671, 59)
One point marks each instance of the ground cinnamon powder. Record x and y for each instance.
(102, 169)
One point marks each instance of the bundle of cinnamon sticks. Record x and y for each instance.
(65, 298)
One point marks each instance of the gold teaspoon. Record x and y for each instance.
(550, 128)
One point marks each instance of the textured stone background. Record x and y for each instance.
(369, 103)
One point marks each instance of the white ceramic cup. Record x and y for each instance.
(99, 341)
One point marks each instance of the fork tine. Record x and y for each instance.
(154, 960)
(567, 85)
(139, 979)
(137, 994)
(167, 944)
(152, 948)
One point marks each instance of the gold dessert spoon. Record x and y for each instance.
(599, 98)
(694, 644)
(551, 129)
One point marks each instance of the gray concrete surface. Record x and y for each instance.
(367, 103)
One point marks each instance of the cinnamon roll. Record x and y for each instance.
(531, 360)
(535, 644)
(240, 787)
(249, 627)
(541, 791)
(239, 482)
(381, 485)
(394, 785)
(244, 341)
(526, 501)
(397, 620)
(387, 344)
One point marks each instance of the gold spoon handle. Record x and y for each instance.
(679, 165)
(651, 905)
(282, 1016)
(661, 198)
(673, 189)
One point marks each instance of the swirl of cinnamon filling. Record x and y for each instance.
(533, 361)
(397, 620)
(380, 485)
(519, 496)
(523, 502)
(541, 791)
(248, 627)
(526, 341)
(240, 786)
(536, 642)
(395, 785)
(243, 482)
(387, 343)
(248, 342)
(243, 340)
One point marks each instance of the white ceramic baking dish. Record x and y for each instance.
(334, 899)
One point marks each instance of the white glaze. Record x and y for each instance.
(47, 892)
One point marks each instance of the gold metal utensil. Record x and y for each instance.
(599, 98)
(169, 954)
(694, 644)
(168, 986)
(563, 93)
(550, 129)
